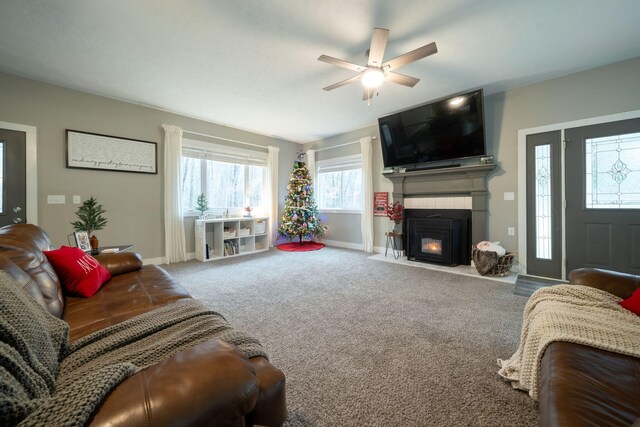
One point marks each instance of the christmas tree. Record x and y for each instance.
(300, 215)
(202, 204)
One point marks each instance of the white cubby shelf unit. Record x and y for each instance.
(228, 237)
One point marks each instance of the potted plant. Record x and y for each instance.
(90, 219)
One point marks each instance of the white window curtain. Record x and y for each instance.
(311, 165)
(272, 192)
(367, 195)
(174, 239)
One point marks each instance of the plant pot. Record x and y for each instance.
(95, 244)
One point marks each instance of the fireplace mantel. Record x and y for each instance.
(457, 181)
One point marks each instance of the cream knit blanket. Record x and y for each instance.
(571, 313)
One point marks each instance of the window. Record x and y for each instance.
(339, 184)
(543, 201)
(613, 172)
(231, 178)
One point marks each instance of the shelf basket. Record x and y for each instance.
(261, 227)
(502, 267)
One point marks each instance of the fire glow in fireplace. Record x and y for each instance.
(439, 236)
(432, 246)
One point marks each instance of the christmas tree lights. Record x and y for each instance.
(300, 215)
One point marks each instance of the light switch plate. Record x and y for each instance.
(76, 200)
(56, 199)
(509, 195)
(511, 231)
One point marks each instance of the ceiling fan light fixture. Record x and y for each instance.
(373, 77)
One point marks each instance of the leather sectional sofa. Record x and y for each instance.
(208, 384)
(585, 386)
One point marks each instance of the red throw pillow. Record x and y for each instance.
(80, 273)
(633, 302)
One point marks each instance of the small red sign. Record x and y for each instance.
(380, 203)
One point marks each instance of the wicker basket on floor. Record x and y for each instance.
(501, 269)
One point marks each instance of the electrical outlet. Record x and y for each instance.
(76, 200)
(509, 195)
(511, 231)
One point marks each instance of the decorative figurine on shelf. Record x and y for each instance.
(90, 219)
(248, 210)
(202, 205)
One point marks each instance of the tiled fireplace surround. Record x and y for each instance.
(463, 187)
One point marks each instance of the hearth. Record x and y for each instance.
(439, 236)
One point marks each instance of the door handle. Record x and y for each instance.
(17, 220)
(17, 209)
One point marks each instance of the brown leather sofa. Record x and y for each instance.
(209, 384)
(585, 386)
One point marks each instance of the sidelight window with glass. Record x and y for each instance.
(543, 201)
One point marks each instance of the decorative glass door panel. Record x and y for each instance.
(612, 172)
(544, 201)
(544, 238)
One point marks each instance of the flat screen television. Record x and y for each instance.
(447, 129)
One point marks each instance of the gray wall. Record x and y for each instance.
(134, 202)
(601, 91)
(346, 227)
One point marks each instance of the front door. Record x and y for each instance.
(13, 189)
(603, 196)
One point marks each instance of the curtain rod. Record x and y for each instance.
(342, 145)
(224, 139)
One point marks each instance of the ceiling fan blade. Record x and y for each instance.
(368, 93)
(378, 44)
(414, 55)
(341, 63)
(401, 79)
(343, 82)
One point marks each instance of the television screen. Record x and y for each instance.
(451, 128)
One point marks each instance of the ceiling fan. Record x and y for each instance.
(375, 72)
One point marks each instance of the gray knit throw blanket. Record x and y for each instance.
(47, 381)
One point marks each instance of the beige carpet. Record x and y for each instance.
(368, 343)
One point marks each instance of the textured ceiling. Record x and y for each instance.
(252, 64)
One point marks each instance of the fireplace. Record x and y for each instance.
(463, 181)
(439, 236)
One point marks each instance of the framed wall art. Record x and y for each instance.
(87, 150)
(380, 202)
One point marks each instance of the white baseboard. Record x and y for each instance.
(356, 246)
(381, 249)
(163, 260)
(346, 245)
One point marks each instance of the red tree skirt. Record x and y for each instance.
(297, 247)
